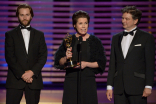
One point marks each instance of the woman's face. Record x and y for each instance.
(81, 26)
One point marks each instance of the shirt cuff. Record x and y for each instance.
(150, 87)
(109, 87)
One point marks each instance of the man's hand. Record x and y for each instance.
(147, 92)
(109, 94)
(29, 80)
(27, 76)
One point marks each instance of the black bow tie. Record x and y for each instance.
(28, 28)
(131, 33)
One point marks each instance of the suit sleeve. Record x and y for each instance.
(11, 58)
(42, 57)
(150, 60)
(111, 71)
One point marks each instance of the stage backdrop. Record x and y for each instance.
(54, 19)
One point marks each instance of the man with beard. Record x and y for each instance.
(25, 54)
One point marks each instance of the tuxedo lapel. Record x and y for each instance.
(119, 44)
(21, 40)
(136, 37)
(32, 33)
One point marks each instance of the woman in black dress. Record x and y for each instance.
(93, 61)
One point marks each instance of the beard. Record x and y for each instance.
(22, 22)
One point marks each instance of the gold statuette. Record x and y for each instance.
(68, 42)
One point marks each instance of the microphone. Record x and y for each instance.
(80, 39)
(79, 74)
(79, 44)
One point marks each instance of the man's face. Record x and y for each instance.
(128, 22)
(24, 16)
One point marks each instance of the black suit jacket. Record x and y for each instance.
(19, 61)
(136, 71)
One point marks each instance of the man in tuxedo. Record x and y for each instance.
(25, 54)
(132, 61)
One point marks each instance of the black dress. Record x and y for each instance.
(88, 83)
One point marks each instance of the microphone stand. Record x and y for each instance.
(79, 77)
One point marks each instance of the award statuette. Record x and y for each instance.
(67, 42)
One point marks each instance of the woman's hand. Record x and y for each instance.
(69, 53)
(87, 64)
(63, 60)
(83, 64)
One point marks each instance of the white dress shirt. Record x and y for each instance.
(125, 43)
(26, 37)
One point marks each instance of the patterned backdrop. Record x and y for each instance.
(55, 20)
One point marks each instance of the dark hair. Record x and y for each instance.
(136, 13)
(80, 14)
(24, 6)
